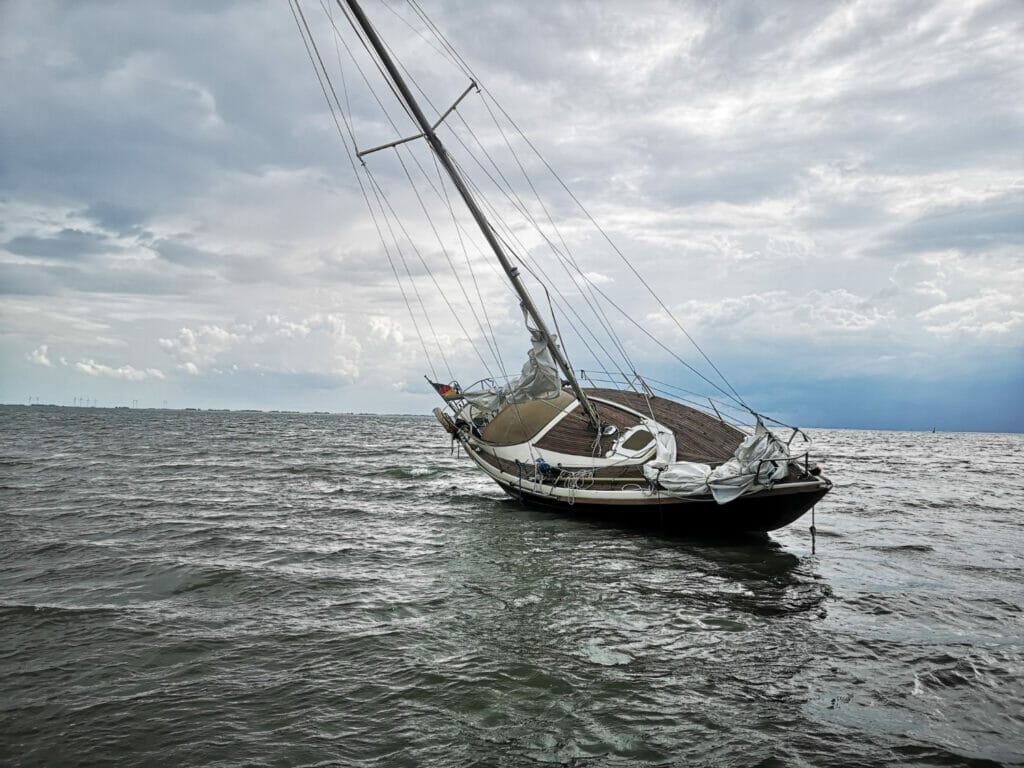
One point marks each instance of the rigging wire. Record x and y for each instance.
(381, 200)
(309, 43)
(499, 217)
(341, 72)
(517, 204)
(701, 402)
(487, 94)
(378, 189)
(522, 249)
(422, 171)
(596, 307)
(646, 332)
(494, 213)
(444, 250)
(419, 33)
(491, 344)
(373, 60)
(508, 247)
(525, 211)
(426, 267)
(626, 261)
(441, 193)
(469, 267)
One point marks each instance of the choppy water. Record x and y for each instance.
(199, 588)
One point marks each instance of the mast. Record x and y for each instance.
(481, 220)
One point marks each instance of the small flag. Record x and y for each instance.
(447, 391)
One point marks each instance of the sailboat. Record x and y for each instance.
(620, 450)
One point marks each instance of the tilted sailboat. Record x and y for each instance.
(617, 451)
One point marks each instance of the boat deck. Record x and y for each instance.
(699, 436)
(574, 435)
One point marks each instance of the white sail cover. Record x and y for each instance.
(760, 460)
(539, 380)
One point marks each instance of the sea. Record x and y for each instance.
(208, 588)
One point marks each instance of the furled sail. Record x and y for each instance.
(539, 380)
(760, 460)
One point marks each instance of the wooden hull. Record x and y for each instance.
(754, 514)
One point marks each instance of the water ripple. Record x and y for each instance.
(205, 588)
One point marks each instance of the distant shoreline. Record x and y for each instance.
(923, 430)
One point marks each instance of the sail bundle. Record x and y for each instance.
(760, 460)
(539, 380)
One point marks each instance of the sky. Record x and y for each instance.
(828, 196)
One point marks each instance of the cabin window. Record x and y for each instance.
(639, 439)
(635, 441)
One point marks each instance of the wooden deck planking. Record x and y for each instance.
(699, 436)
(574, 435)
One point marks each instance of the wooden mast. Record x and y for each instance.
(481, 221)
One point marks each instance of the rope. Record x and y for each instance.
(579, 480)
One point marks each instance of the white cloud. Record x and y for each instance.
(329, 343)
(126, 372)
(592, 278)
(39, 357)
(993, 313)
(204, 344)
(929, 289)
(761, 317)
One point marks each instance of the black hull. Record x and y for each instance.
(755, 514)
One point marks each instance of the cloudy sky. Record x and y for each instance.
(828, 196)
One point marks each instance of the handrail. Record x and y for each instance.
(806, 456)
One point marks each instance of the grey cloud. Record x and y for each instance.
(845, 215)
(27, 280)
(743, 178)
(117, 217)
(178, 252)
(68, 245)
(223, 268)
(970, 228)
(741, 34)
(33, 279)
(128, 120)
